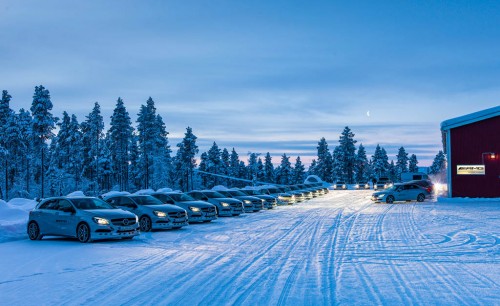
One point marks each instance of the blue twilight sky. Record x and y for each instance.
(262, 75)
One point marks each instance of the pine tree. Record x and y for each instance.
(213, 165)
(312, 168)
(284, 171)
(92, 130)
(380, 162)
(361, 165)
(25, 124)
(252, 166)
(413, 162)
(203, 167)
(6, 118)
(401, 163)
(348, 148)
(225, 164)
(324, 163)
(438, 166)
(299, 172)
(260, 170)
(268, 169)
(42, 125)
(338, 165)
(120, 135)
(185, 159)
(393, 171)
(234, 164)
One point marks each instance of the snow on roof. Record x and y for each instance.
(164, 190)
(144, 192)
(114, 193)
(219, 188)
(76, 194)
(470, 118)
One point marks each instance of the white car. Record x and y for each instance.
(401, 192)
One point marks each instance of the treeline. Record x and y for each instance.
(84, 156)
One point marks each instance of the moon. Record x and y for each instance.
(368, 114)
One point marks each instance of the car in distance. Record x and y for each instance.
(198, 211)
(250, 203)
(362, 185)
(152, 213)
(226, 207)
(401, 192)
(340, 185)
(382, 183)
(85, 218)
(269, 201)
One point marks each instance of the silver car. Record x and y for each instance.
(225, 206)
(198, 211)
(84, 218)
(152, 213)
(401, 192)
(269, 201)
(282, 198)
(250, 203)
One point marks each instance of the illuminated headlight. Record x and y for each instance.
(136, 219)
(335, 186)
(247, 201)
(380, 196)
(225, 204)
(101, 221)
(263, 201)
(367, 186)
(343, 186)
(160, 214)
(194, 209)
(375, 187)
(357, 185)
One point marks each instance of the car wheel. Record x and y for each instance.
(420, 198)
(83, 233)
(390, 200)
(34, 231)
(145, 223)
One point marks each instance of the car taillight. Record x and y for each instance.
(429, 189)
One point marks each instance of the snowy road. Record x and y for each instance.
(338, 249)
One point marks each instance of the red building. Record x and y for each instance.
(472, 145)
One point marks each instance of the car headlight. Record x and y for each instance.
(194, 209)
(357, 186)
(101, 221)
(225, 204)
(247, 202)
(375, 187)
(136, 219)
(367, 186)
(335, 186)
(160, 214)
(380, 196)
(263, 201)
(343, 186)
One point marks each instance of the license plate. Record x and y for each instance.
(179, 220)
(211, 215)
(125, 228)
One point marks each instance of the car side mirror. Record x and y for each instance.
(205, 199)
(134, 206)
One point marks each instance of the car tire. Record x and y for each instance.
(389, 200)
(420, 197)
(83, 232)
(34, 231)
(145, 224)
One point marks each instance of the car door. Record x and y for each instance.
(46, 217)
(65, 218)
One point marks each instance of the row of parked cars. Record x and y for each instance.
(124, 215)
(382, 183)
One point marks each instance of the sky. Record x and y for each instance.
(262, 76)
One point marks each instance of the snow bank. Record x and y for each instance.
(14, 217)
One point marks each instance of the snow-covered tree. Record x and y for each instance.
(284, 171)
(298, 173)
(348, 148)
(439, 164)
(338, 165)
(413, 162)
(92, 130)
(380, 162)
(401, 163)
(268, 169)
(225, 164)
(361, 165)
(213, 165)
(185, 159)
(252, 167)
(120, 135)
(42, 125)
(392, 171)
(323, 167)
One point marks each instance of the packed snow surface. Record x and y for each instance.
(337, 249)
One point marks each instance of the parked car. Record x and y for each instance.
(427, 184)
(340, 185)
(152, 213)
(401, 192)
(362, 185)
(226, 207)
(269, 201)
(250, 203)
(84, 218)
(283, 198)
(300, 195)
(198, 211)
(382, 183)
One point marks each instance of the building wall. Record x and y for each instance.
(468, 143)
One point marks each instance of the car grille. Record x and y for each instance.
(208, 209)
(236, 205)
(122, 222)
(176, 214)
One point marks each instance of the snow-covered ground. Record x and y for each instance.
(337, 249)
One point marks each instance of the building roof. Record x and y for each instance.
(470, 118)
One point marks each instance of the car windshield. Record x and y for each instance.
(91, 203)
(147, 200)
(394, 188)
(213, 195)
(180, 197)
(236, 193)
(252, 191)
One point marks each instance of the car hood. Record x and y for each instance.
(199, 204)
(227, 200)
(109, 213)
(165, 207)
(248, 198)
(381, 193)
